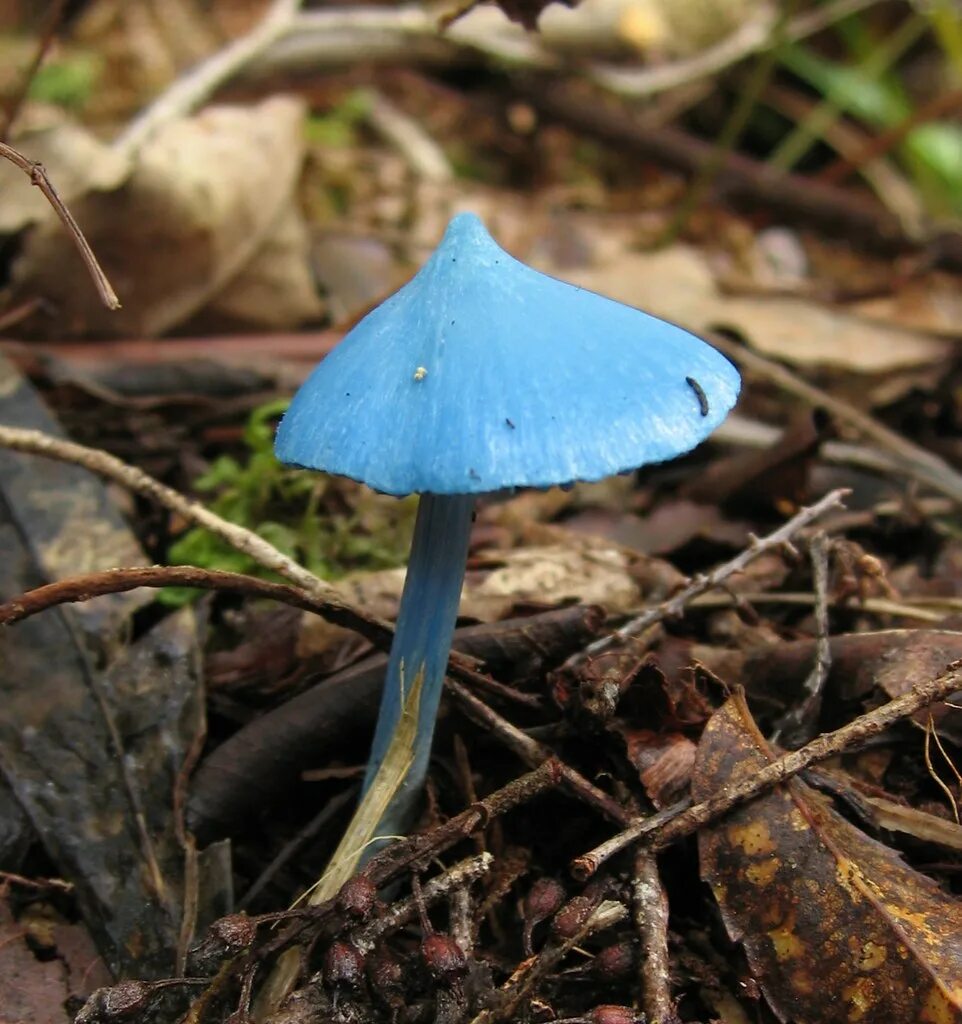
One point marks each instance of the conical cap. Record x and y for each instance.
(482, 373)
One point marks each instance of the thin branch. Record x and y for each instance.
(682, 819)
(676, 605)
(522, 982)
(35, 442)
(755, 35)
(650, 914)
(920, 464)
(114, 581)
(402, 912)
(798, 725)
(47, 35)
(193, 89)
(533, 753)
(38, 176)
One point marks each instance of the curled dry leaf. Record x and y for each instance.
(203, 199)
(678, 284)
(836, 927)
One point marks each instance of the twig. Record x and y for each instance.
(533, 753)
(921, 465)
(47, 34)
(797, 725)
(754, 35)
(38, 176)
(422, 153)
(401, 912)
(682, 819)
(922, 609)
(676, 605)
(115, 581)
(194, 88)
(11, 878)
(35, 442)
(531, 971)
(650, 905)
(938, 106)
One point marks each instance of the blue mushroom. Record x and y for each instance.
(482, 374)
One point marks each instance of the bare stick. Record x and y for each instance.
(651, 922)
(35, 442)
(917, 462)
(522, 982)
(194, 88)
(402, 912)
(533, 753)
(676, 605)
(753, 36)
(38, 177)
(47, 33)
(680, 820)
(797, 725)
(113, 581)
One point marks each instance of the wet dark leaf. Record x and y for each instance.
(92, 732)
(835, 926)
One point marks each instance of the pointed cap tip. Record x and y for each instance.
(466, 229)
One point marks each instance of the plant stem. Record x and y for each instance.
(425, 626)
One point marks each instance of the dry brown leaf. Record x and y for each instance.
(205, 196)
(836, 927)
(677, 284)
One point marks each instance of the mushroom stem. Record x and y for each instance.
(422, 640)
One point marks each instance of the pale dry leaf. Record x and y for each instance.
(677, 284)
(77, 163)
(205, 196)
(588, 572)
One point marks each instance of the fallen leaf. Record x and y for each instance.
(677, 284)
(204, 198)
(93, 729)
(836, 927)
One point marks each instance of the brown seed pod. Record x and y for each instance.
(614, 1015)
(343, 965)
(116, 1003)
(357, 897)
(572, 917)
(544, 898)
(444, 958)
(614, 963)
(385, 976)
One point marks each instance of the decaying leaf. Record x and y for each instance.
(93, 729)
(546, 574)
(836, 927)
(203, 199)
(890, 660)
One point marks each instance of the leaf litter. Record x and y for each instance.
(833, 922)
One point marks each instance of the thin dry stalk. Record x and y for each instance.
(38, 176)
(682, 819)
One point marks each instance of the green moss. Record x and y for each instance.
(330, 525)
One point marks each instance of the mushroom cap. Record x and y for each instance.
(482, 373)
